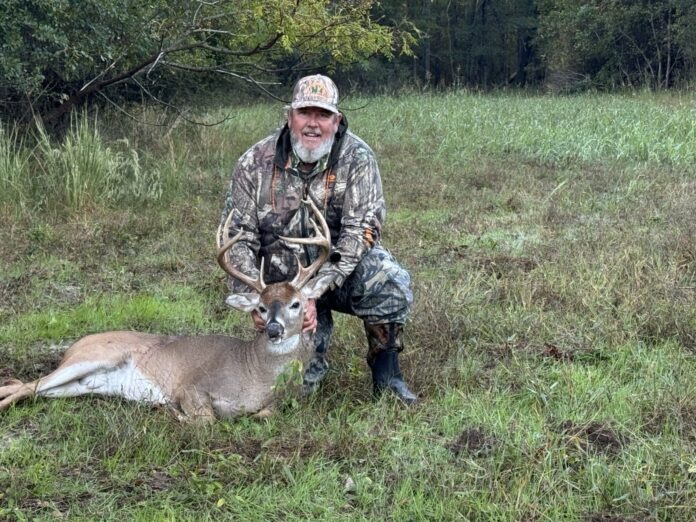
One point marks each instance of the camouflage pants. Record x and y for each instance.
(378, 292)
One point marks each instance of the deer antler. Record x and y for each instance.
(256, 284)
(322, 239)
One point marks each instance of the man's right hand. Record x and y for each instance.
(259, 323)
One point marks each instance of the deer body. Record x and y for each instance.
(200, 377)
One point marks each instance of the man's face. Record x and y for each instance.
(313, 129)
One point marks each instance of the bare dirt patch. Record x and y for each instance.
(473, 441)
(594, 437)
(14, 290)
(284, 448)
(155, 480)
(605, 517)
(687, 417)
(560, 354)
(29, 367)
(500, 265)
(675, 414)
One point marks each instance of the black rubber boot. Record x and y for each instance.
(385, 342)
(314, 374)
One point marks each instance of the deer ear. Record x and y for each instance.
(244, 302)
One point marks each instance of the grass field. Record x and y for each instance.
(552, 244)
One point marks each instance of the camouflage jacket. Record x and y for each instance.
(265, 195)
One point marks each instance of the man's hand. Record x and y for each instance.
(310, 318)
(259, 323)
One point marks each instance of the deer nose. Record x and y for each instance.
(274, 330)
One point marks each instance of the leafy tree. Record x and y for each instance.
(618, 42)
(471, 42)
(56, 54)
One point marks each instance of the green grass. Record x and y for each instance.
(552, 247)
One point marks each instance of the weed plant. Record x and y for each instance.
(552, 246)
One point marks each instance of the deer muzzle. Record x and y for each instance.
(274, 330)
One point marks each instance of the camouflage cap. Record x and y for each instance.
(315, 91)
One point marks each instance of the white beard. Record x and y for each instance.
(310, 156)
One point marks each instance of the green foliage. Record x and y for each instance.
(567, 45)
(57, 54)
(617, 43)
(460, 43)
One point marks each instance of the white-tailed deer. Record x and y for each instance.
(198, 376)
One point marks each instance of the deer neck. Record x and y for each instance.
(273, 357)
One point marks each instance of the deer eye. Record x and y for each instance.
(295, 305)
(263, 309)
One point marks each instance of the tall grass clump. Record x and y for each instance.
(83, 170)
(14, 162)
(184, 148)
(80, 169)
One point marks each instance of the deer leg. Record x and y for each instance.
(72, 380)
(263, 414)
(16, 392)
(10, 387)
(65, 381)
(196, 407)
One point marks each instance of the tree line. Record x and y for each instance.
(56, 55)
(558, 44)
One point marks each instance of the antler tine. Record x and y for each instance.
(256, 284)
(322, 240)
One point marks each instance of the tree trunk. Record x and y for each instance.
(426, 49)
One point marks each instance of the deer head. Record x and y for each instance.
(281, 305)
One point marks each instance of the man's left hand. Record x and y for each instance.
(310, 316)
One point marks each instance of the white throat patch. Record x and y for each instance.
(285, 346)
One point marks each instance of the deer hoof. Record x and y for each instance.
(263, 414)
